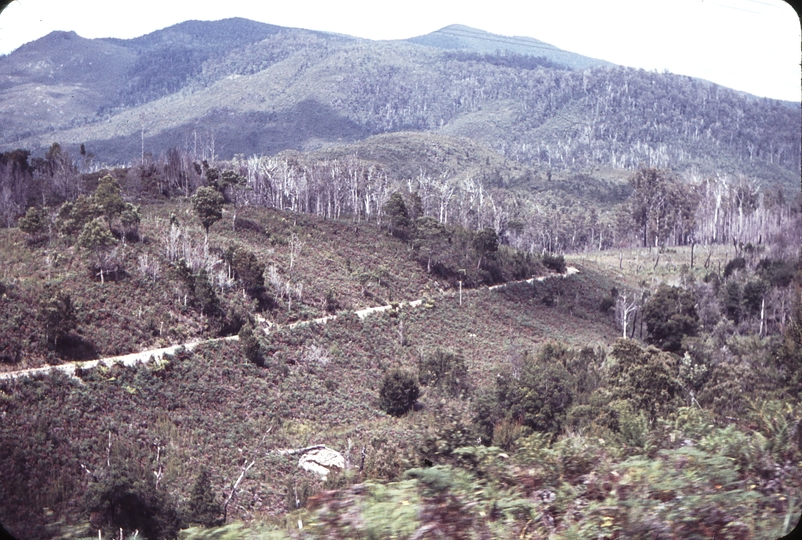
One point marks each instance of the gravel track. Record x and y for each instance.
(157, 354)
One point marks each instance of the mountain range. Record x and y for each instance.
(241, 87)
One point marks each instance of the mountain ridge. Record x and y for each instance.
(270, 88)
(457, 36)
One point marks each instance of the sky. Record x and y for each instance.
(748, 45)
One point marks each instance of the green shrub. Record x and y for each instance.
(332, 304)
(787, 356)
(446, 371)
(249, 345)
(73, 216)
(125, 497)
(208, 205)
(733, 301)
(396, 211)
(687, 493)
(203, 508)
(399, 392)
(95, 239)
(443, 433)
(753, 295)
(633, 424)
(204, 294)
(58, 316)
(108, 198)
(777, 272)
(670, 314)
(35, 222)
(507, 432)
(646, 378)
(738, 263)
(554, 262)
(485, 242)
(247, 268)
(539, 397)
(606, 304)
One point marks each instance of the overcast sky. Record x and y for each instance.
(749, 45)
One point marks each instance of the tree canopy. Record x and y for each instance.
(399, 392)
(208, 205)
(661, 207)
(485, 242)
(96, 239)
(670, 314)
(35, 222)
(396, 210)
(109, 198)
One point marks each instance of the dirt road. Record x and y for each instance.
(157, 354)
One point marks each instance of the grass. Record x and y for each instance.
(642, 267)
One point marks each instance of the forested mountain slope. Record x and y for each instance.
(277, 88)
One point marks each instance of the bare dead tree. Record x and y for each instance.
(709, 254)
(626, 304)
(245, 469)
(295, 250)
(159, 472)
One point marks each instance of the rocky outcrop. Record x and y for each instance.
(322, 461)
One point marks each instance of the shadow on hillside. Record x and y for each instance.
(76, 348)
(306, 125)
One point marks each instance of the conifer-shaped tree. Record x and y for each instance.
(203, 508)
(130, 218)
(96, 239)
(396, 210)
(58, 316)
(208, 205)
(485, 242)
(205, 295)
(249, 345)
(248, 269)
(109, 199)
(399, 392)
(34, 223)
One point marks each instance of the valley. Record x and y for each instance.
(521, 292)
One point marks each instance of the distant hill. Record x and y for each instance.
(230, 87)
(458, 37)
(167, 59)
(63, 80)
(59, 80)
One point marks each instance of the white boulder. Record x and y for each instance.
(322, 461)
